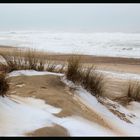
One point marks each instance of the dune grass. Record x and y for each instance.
(93, 81)
(4, 84)
(133, 90)
(88, 78)
(22, 60)
(131, 93)
(31, 59)
(25, 59)
(28, 59)
(74, 69)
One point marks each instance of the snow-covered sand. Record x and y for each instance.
(131, 112)
(102, 44)
(20, 115)
(115, 74)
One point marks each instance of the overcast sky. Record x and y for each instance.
(82, 17)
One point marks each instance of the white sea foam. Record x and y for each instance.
(106, 44)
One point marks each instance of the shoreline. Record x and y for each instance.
(84, 58)
(118, 64)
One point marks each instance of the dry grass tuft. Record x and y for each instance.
(62, 69)
(23, 60)
(4, 84)
(88, 78)
(74, 69)
(35, 60)
(93, 81)
(131, 93)
(51, 66)
(28, 59)
(133, 90)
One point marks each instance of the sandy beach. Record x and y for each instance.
(69, 70)
(107, 64)
(54, 92)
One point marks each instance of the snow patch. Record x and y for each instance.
(79, 126)
(19, 115)
(32, 73)
(114, 121)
